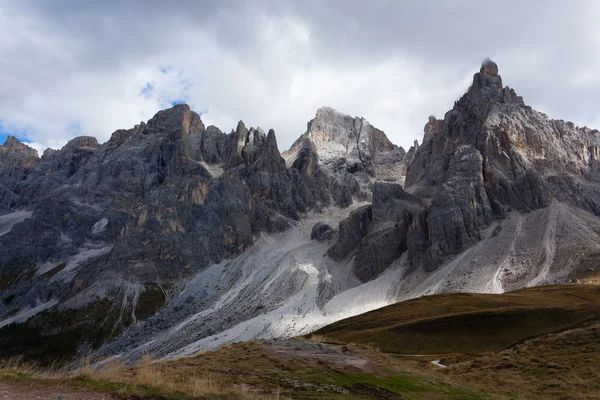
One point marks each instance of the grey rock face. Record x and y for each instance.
(254, 143)
(209, 145)
(391, 202)
(16, 161)
(351, 154)
(380, 248)
(16, 154)
(338, 136)
(155, 204)
(377, 235)
(490, 155)
(235, 145)
(352, 230)
(271, 186)
(322, 232)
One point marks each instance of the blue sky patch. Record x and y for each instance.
(74, 128)
(170, 93)
(146, 92)
(6, 132)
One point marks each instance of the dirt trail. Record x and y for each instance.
(341, 355)
(36, 391)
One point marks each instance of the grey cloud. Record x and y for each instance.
(272, 63)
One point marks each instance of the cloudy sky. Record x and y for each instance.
(70, 68)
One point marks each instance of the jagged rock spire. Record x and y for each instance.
(236, 143)
(270, 159)
(489, 67)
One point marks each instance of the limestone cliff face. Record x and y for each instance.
(166, 199)
(347, 143)
(492, 154)
(176, 197)
(16, 159)
(489, 156)
(350, 152)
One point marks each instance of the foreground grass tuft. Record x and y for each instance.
(144, 381)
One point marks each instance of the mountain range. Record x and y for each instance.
(173, 237)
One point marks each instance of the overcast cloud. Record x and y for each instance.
(70, 68)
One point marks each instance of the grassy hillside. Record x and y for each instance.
(539, 343)
(251, 371)
(563, 365)
(468, 323)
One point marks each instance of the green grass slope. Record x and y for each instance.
(468, 323)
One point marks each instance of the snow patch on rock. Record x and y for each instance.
(99, 226)
(89, 252)
(9, 220)
(29, 312)
(214, 170)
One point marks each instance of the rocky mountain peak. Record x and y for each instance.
(489, 67)
(330, 125)
(487, 83)
(431, 128)
(241, 129)
(175, 122)
(48, 153)
(502, 155)
(14, 152)
(236, 144)
(83, 142)
(11, 141)
(351, 143)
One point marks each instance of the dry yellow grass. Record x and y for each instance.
(557, 366)
(590, 279)
(151, 373)
(17, 365)
(148, 373)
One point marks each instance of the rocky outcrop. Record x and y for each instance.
(206, 193)
(377, 234)
(235, 146)
(351, 231)
(16, 161)
(14, 154)
(350, 150)
(339, 137)
(490, 155)
(271, 188)
(322, 232)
